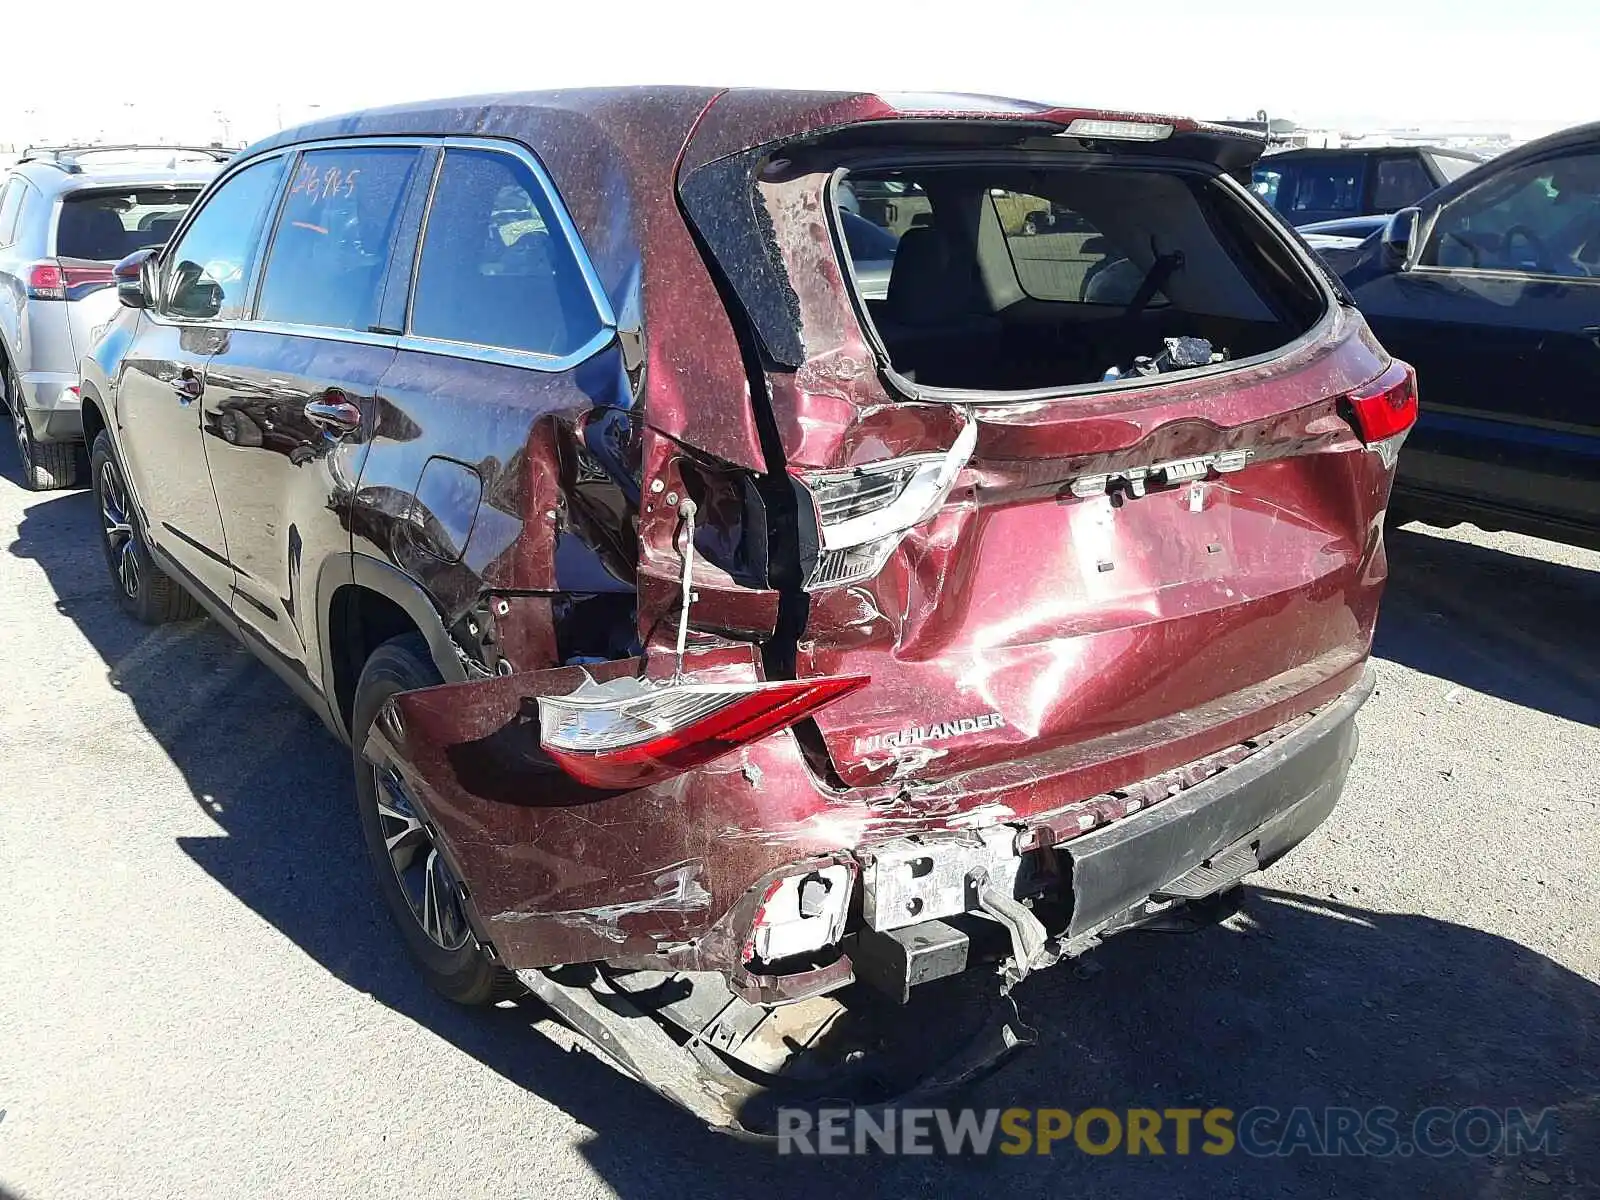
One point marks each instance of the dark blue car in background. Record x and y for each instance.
(1324, 185)
(1490, 287)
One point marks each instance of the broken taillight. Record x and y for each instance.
(1386, 407)
(863, 512)
(628, 732)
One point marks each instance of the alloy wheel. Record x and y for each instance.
(431, 888)
(118, 528)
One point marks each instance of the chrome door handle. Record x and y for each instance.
(333, 412)
(186, 387)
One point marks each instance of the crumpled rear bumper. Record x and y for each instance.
(919, 894)
(669, 876)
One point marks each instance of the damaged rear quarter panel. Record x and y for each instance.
(559, 872)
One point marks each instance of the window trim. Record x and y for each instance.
(605, 318)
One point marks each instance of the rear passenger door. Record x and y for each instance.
(471, 483)
(289, 398)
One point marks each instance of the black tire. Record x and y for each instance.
(46, 466)
(462, 972)
(144, 591)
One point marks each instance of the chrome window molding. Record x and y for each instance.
(511, 358)
(325, 333)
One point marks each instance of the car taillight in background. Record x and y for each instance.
(52, 280)
(863, 512)
(627, 732)
(1384, 410)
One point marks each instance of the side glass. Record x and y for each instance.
(1540, 218)
(208, 271)
(1401, 181)
(1058, 254)
(1326, 188)
(496, 269)
(330, 249)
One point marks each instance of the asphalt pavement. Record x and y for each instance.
(201, 997)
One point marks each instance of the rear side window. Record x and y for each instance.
(1401, 181)
(1267, 183)
(10, 209)
(105, 226)
(1330, 187)
(496, 268)
(1453, 168)
(1057, 253)
(330, 248)
(210, 267)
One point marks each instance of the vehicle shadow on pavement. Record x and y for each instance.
(1523, 629)
(1303, 1001)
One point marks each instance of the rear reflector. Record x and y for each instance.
(1387, 406)
(628, 732)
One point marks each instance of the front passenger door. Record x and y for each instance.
(1501, 318)
(205, 281)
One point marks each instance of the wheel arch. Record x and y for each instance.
(94, 413)
(364, 602)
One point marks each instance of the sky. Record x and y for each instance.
(205, 71)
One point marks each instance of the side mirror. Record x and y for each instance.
(1399, 239)
(135, 279)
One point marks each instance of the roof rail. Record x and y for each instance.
(66, 157)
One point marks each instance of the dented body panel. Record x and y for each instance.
(1033, 650)
(1042, 614)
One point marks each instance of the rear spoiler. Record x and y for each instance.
(740, 120)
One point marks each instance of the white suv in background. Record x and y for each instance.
(67, 215)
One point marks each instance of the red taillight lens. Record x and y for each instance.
(628, 732)
(45, 282)
(60, 281)
(1387, 406)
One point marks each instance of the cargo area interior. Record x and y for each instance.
(1017, 277)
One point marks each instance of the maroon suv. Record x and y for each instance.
(762, 571)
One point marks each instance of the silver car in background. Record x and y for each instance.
(67, 216)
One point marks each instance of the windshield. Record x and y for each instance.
(107, 225)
